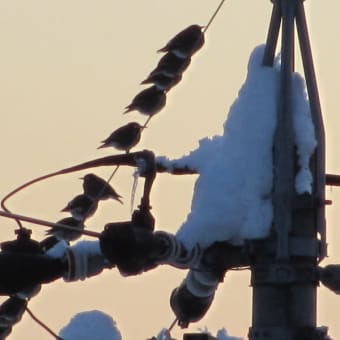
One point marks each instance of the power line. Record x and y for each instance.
(213, 16)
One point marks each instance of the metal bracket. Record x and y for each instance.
(283, 274)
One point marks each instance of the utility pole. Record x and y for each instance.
(284, 271)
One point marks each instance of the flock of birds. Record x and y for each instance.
(168, 72)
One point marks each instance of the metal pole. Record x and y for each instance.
(273, 34)
(284, 274)
(315, 107)
(284, 137)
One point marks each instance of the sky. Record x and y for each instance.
(68, 68)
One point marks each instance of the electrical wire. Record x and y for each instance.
(47, 223)
(39, 322)
(172, 325)
(213, 16)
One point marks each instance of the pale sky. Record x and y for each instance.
(67, 70)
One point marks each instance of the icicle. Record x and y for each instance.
(136, 175)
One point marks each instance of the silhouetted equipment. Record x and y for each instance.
(24, 266)
(131, 248)
(192, 299)
(284, 267)
(195, 336)
(11, 312)
(189, 307)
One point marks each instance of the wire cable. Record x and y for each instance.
(172, 325)
(213, 16)
(40, 323)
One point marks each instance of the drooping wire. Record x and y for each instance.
(39, 322)
(172, 325)
(47, 223)
(21, 187)
(213, 16)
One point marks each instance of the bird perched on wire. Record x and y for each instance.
(171, 65)
(124, 138)
(67, 234)
(81, 207)
(162, 81)
(185, 43)
(148, 102)
(98, 189)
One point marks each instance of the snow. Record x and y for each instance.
(304, 135)
(98, 325)
(222, 334)
(232, 195)
(91, 325)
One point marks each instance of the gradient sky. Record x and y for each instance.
(67, 70)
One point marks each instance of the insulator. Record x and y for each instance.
(175, 254)
(84, 260)
(11, 311)
(192, 299)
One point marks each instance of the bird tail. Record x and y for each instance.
(163, 49)
(128, 109)
(146, 81)
(102, 146)
(118, 198)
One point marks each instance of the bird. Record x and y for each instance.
(124, 138)
(81, 207)
(171, 65)
(67, 234)
(98, 189)
(148, 102)
(162, 81)
(185, 43)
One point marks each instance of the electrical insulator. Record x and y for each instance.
(192, 299)
(84, 260)
(175, 254)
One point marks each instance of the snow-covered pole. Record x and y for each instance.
(284, 274)
(313, 95)
(284, 137)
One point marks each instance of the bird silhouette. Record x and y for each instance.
(98, 189)
(171, 65)
(124, 138)
(185, 43)
(162, 81)
(81, 207)
(67, 234)
(148, 102)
